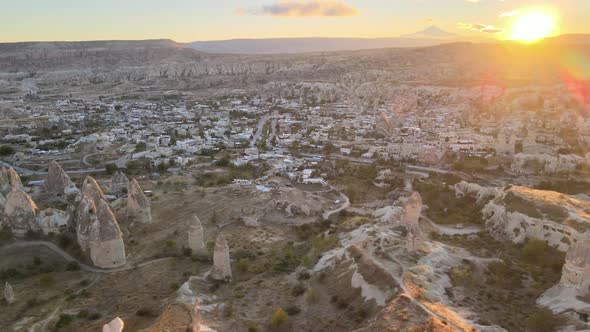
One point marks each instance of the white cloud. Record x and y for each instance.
(480, 27)
(509, 14)
(297, 8)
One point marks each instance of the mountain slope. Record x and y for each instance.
(29, 56)
(305, 45)
(571, 39)
(431, 32)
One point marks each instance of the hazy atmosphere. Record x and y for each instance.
(295, 165)
(197, 20)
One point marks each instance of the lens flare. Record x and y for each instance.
(532, 26)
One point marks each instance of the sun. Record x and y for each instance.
(532, 26)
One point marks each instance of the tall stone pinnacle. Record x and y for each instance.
(221, 270)
(107, 249)
(9, 179)
(138, 205)
(116, 325)
(57, 180)
(119, 183)
(196, 236)
(91, 189)
(21, 212)
(196, 317)
(8, 293)
(410, 217)
(85, 219)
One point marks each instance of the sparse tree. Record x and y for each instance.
(6, 150)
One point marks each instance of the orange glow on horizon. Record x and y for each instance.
(532, 26)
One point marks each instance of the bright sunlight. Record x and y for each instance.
(532, 26)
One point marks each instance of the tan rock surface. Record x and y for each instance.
(138, 205)
(57, 180)
(21, 212)
(221, 263)
(92, 189)
(196, 237)
(107, 249)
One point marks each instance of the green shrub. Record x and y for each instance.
(73, 266)
(139, 147)
(64, 320)
(145, 312)
(243, 265)
(110, 168)
(312, 296)
(279, 318)
(6, 150)
(46, 281)
(298, 290)
(543, 320)
(534, 250)
(461, 276)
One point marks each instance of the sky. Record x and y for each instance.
(195, 20)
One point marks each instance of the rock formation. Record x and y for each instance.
(521, 213)
(53, 220)
(119, 183)
(293, 210)
(14, 179)
(410, 216)
(505, 144)
(9, 179)
(8, 293)
(544, 163)
(85, 219)
(116, 325)
(21, 212)
(58, 181)
(221, 264)
(570, 294)
(250, 221)
(107, 249)
(576, 270)
(196, 237)
(138, 205)
(4, 183)
(91, 189)
(2, 205)
(481, 193)
(196, 317)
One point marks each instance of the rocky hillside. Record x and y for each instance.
(52, 56)
(25, 67)
(518, 213)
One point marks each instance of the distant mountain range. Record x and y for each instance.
(570, 39)
(304, 45)
(432, 32)
(428, 37)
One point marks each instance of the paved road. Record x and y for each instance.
(453, 230)
(57, 250)
(259, 128)
(339, 156)
(20, 170)
(344, 206)
(69, 258)
(273, 132)
(25, 171)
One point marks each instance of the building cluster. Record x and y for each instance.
(545, 136)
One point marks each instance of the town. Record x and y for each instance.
(401, 189)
